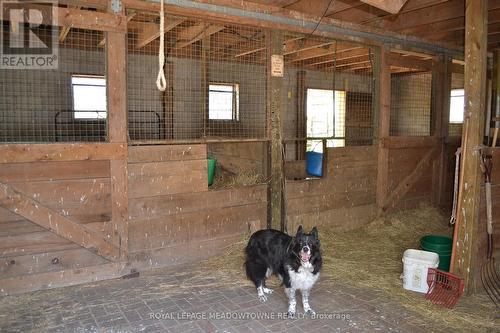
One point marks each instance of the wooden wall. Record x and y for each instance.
(35, 256)
(401, 163)
(343, 199)
(173, 216)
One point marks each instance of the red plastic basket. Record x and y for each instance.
(444, 288)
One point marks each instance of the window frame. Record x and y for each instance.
(96, 112)
(235, 111)
(331, 140)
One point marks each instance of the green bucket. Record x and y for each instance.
(441, 245)
(211, 170)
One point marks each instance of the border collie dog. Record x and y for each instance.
(296, 260)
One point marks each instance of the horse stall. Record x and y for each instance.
(142, 143)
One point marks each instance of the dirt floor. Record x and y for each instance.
(359, 291)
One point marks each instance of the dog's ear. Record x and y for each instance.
(314, 232)
(300, 231)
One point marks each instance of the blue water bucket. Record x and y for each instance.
(314, 163)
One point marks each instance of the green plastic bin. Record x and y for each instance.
(441, 245)
(211, 170)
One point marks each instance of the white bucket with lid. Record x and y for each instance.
(416, 264)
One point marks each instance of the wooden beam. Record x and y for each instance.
(195, 33)
(116, 54)
(409, 62)
(276, 218)
(19, 153)
(383, 92)
(151, 31)
(406, 184)
(53, 221)
(248, 13)
(465, 234)
(390, 6)
(130, 16)
(65, 29)
(77, 18)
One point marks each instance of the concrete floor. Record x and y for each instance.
(166, 301)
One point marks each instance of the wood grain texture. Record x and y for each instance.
(20, 153)
(52, 220)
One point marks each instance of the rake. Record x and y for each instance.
(489, 275)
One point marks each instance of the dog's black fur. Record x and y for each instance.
(276, 250)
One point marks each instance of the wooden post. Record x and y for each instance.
(300, 146)
(116, 52)
(496, 88)
(438, 122)
(445, 120)
(464, 261)
(275, 71)
(205, 49)
(383, 96)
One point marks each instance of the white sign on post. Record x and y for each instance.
(277, 65)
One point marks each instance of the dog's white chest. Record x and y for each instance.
(303, 279)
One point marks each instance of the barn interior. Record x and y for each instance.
(368, 119)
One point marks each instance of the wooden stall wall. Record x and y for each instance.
(174, 218)
(402, 163)
(344, 198)
(55, 216)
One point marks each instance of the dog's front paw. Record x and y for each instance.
(263, 298)
(310, 312)
(291, 315)
(267, 290)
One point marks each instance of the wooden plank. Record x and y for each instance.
(150, 31)
(69, 277)
(78, 199)
(162, 178)
(52, 220)
(384, 107)
(465, 243)
(25, 172)
(335, 219)
(325, 202)
(195, 226)
(406, 184)
(195, 33)
(276, 217)
(405, 142)
(391, 6)
(28, 264)
(408, 62)
(163, 153)
(77, 18)
(20, 153)
(183, 253)
(32, 243)
(155, 207)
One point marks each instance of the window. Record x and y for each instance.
(325, 117)
(89, 96)
(223, 101)
(457, 106)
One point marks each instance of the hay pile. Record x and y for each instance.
(370, 257)
(240, 178)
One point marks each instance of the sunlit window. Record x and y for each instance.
(457, 106)
(89, 97)
(325, 117)
(223, 102)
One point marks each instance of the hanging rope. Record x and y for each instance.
(455, 187)
(161, 81)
